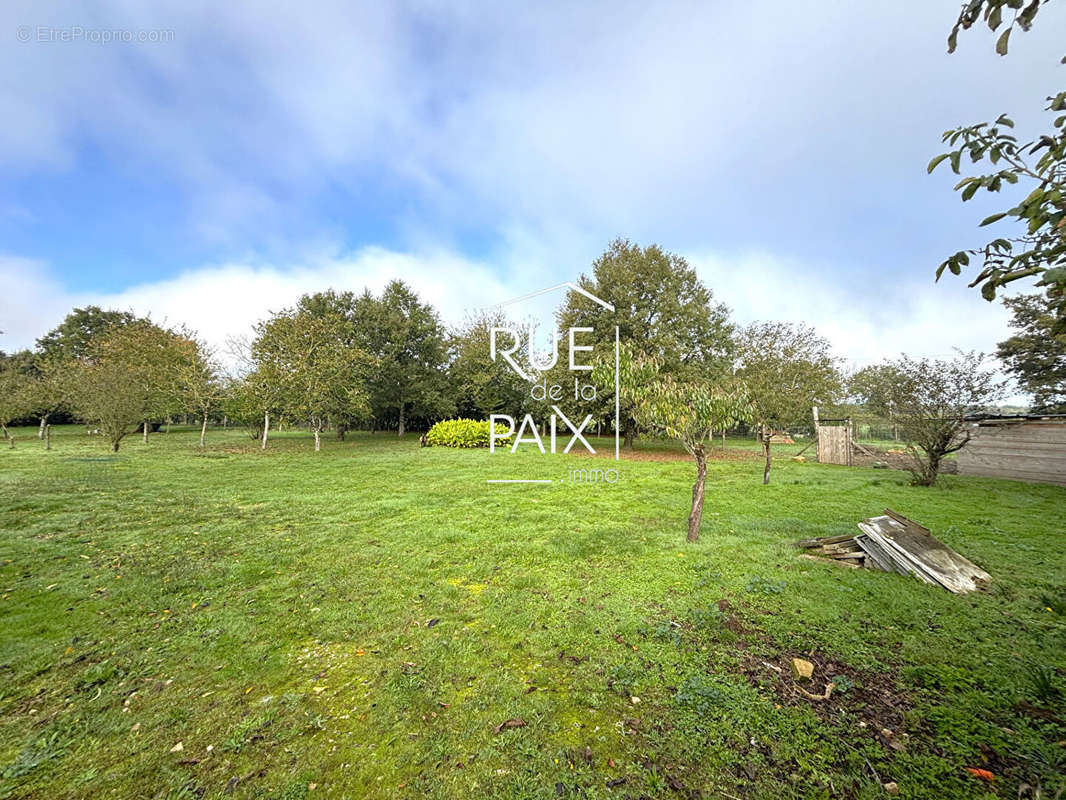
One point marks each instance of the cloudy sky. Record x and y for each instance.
(246, 153)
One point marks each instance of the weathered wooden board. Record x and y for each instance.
(909, 523)
(911, 551)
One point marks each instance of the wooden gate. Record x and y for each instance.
(834, 444)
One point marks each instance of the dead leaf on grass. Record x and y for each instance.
(516, 722)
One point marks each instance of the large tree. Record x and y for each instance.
(408, 341)
(480, 385)
(662, 310)
(787, 369)
(928, 400)
(1037, 249)
(1036, 355)
(73, 338)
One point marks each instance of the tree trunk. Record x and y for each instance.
(47, 437)
(696, 516)
(766, 454)
(930, 469)
(342, 429)
(9, 437)
(114, 447)
(318, 438)
(266, 428)
(630, 434)
(401, 419)
(203, 430)
(44, 424)
(146, 431)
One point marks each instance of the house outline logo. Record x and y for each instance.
(518, 370)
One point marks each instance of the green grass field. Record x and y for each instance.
(359, 622)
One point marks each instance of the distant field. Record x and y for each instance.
(179, 623)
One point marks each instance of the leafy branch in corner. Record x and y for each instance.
(1039, 252)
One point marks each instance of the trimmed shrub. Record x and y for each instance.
(462, 433)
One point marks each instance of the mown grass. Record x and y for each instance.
(357, 622)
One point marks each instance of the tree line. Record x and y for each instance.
(339, 361)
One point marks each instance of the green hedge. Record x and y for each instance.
(462, 433)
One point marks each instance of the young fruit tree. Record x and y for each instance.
(16, 394)
(318, 372)
(50, 387)
(690, 413)
(130, 375)
(786, 369)
(106, 388)
(928, 400)
(201, 389)
(61, 348)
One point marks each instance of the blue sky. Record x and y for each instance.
(481, 151)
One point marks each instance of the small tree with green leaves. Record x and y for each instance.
(200, 387)
(16, 394)
(690, 413)
(51, 386)
(108, 387)
(129, 374)
(928, 399)
(787, 369)
(318, 370)
(73, 340)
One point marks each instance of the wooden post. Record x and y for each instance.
(814, 411)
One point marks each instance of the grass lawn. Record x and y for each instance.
(359, 622)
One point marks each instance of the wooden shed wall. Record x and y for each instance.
(1032, 450)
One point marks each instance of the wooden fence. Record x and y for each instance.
(1020, 449)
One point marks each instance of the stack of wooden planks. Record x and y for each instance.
(842, 549)
(893, 543)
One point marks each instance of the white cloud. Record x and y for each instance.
(864, 324)
(865, 319)
(220, 301)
